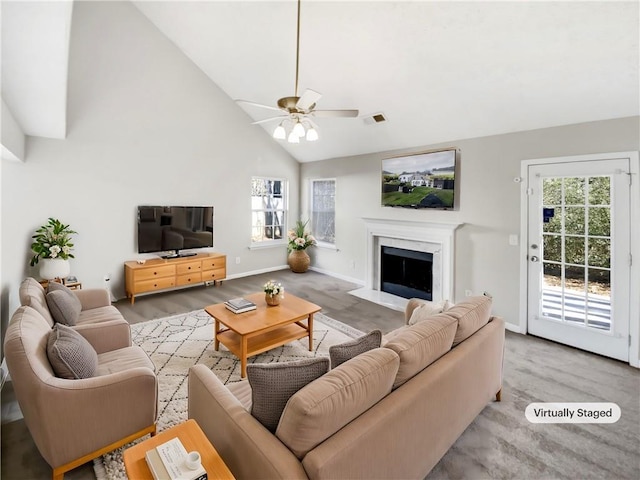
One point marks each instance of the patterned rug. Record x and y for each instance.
(176, 343)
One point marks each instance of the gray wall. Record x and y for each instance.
(145, 126)
(489, 202)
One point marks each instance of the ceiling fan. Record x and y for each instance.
(296, 112)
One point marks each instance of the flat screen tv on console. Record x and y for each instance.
(172, 229)
(421, 180)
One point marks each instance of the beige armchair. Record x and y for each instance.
(74, 421)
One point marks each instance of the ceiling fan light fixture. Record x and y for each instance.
(293, 138)
(312, 135)
(298, 129)
(279, 133)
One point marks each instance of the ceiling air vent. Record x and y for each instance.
(375, 118)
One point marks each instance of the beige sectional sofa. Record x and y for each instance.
(391, 412)
(99, 322)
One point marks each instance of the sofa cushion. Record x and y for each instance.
(346, 351)
(272, 384)
(123, 359)
(70, 355)
(326, 405)
(426, 310)
(472, 314)
(64, 307)
(421, 344)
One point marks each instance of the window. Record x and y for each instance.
(268, 210)
(323, 210)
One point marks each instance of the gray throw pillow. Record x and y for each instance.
(64, 305)
(272, 384)
(71, 356)
(346, 351)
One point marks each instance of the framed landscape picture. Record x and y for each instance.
(421, 180)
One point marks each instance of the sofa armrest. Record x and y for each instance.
(77, 417)
(106, 336)
(93, 298)
(248, 449)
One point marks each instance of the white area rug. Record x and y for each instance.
(176, 343)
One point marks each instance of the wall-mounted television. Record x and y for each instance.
(174, 229)
(421, 180)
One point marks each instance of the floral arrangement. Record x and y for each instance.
(273, 288)
(299, 237)
(52, 240)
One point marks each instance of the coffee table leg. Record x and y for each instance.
(216, 329)
(243, 356)
(310, 329)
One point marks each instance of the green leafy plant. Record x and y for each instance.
(299, 237)
(52, 240)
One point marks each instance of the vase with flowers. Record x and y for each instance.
(299, 240)
(52, 247)
(273, 292)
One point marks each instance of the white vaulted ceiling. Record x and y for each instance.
(439, 71)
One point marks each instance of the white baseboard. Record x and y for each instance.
(357, 281)
(514, 328)
(256, 272)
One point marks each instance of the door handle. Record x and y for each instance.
(534, 259)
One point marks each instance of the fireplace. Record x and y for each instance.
(406, 273)
(434, 240)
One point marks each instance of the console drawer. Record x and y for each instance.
(154, 284)
(214, 263)
(217, 274)
(155, 272)
(190, 267)
(189, 278)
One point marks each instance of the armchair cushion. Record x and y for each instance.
(70, 355)
(272, 384)
(64, 307)
(346, 351)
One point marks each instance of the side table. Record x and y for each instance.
(71, 285)
(192, 437)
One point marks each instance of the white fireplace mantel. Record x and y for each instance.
(432, 237)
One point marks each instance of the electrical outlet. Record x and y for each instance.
(237, 260)
(468, 293)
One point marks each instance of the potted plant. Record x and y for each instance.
(299, 240)
(52, 244)
(273, 292)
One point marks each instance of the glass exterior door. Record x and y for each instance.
(579, 255)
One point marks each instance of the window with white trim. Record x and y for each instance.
(268, 210)
(323, 210)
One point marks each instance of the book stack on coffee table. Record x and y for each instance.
(239, 305)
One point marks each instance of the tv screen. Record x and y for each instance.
(420, 180)
(174, 228)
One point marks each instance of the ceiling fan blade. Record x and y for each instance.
(335, 113)
(308, 99)
(265, 120)
(259, 105)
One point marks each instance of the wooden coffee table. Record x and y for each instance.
(192, 437)
(250, 333)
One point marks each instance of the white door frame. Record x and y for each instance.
(634, 301)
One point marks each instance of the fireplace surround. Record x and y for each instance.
(437, 239)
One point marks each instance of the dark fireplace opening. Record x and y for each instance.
(406, 273)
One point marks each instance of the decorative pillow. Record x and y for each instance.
(272, 384)
(419, 345)
(346, 351)
(426, 310)
(63, 304)
(71, 356)
(472, 314)
(323, 407)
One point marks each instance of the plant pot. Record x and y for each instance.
(51, 268)
(299, 261)
(272, 300)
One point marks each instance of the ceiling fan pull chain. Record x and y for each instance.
(297, 49)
